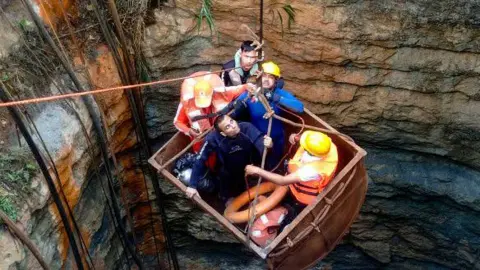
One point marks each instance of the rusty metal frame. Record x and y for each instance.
(359, 154)
(331, 186)
(204, 205)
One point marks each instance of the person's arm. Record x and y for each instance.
(181, 121)
(257, 138)
(272, 177)
(287, 100)
(199, 167)
(232, 92)
(238, 106)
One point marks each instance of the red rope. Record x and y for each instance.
(98, 91)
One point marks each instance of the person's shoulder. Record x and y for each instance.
(244, 126)
(212, 137)
(282, 91)
(334, 149)
(229, 64)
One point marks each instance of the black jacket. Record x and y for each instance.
(233, 154)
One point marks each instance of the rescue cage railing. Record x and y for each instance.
(330, 195)
(336, 188)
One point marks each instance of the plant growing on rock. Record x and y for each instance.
(277, 10)
(8, 208)
(206, 12)
(17, 169)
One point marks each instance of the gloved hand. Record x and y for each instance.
(251, 88)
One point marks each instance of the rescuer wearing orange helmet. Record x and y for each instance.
(201, 94)
(309, 171)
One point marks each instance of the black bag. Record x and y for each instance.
(183, 171)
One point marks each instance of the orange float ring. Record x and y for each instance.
(235, 216)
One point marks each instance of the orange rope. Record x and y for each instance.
(98, 91)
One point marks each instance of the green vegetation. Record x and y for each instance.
(206, 12)
(277, 10)
(4, 77)
(8, 208)
(17, 169)
(25, 25)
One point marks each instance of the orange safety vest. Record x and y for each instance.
(306, 192)
(222, 96)
(191, 110)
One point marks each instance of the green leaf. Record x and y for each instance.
(26, 175)
(8, 208)
(31, 166)
(12, 177)
(290, 13)
(199, 22)
(206, 12)
(25, 23)
(281, 21)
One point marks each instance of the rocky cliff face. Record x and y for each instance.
(400, 77)
(76, 159)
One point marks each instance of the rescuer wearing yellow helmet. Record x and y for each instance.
(276, 97)
(309, 171)
(271, 72)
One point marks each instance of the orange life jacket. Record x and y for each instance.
(222, 96)
(306, 192)
(191, 110)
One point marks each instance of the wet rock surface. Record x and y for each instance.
(400, 74)
(399, 77)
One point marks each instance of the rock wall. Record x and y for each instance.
(390, 73)
(60, 127)
(400, 77)
(39, 217)
(28, 68)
